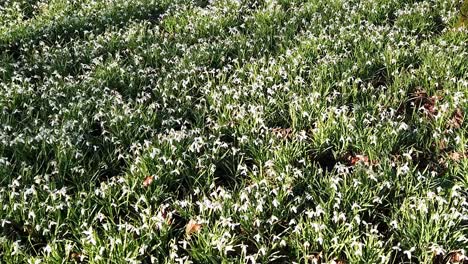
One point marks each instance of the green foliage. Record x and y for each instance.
(228, 131)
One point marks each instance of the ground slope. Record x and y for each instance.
(172, 131)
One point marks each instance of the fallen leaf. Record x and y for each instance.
(429, 106)
(315, 258)
(421, 100)
(192, 227)
(419, 93)
(148, 180)
(353, 160)
(457, 119)
(283, 133)
(455, 156)
(451, 257)
(75, 256)
(442, 144)
(456, 257)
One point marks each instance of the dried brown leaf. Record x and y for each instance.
(456, 257)
(421, 100)
(283, 133)
(455, 156)
(353, 160)
(419, 93)
(442, 144)
(148, 180)
(457, 119)
(315, 258)
(75, 256)
(430, 107)
(192, 227)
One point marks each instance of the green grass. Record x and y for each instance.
(251, 131)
